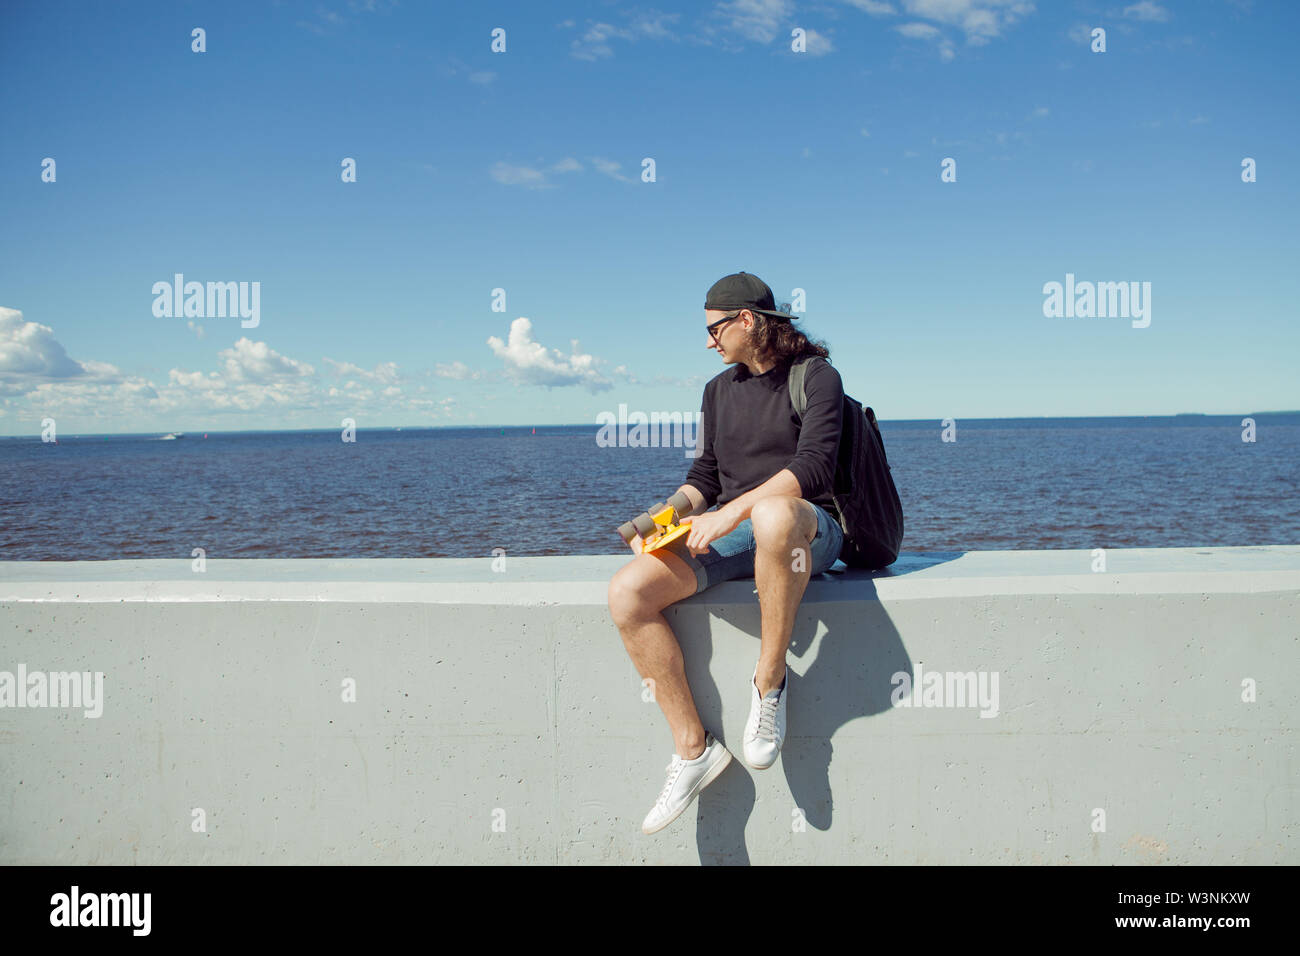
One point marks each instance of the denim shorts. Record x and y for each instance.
(732, 555)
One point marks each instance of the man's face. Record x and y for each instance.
(727, 336)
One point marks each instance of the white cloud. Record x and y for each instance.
(533, 177)
(328, 18)
(655, 25)
(511, 175)
(30, 355)
(610, 168)
(332, 18)
(763, 21)
(594, 41)
(917, 31)
(873, 7)
(82, 400)
(817, 44)
(454, 66)
(1147, 11)
(252, 376)
(38, 379)
(370, 6)
(192, 392)
(757, 20)
(979, 21)
(258, 364)
(528, 362)
(195, 328)
(457, 370)
(594, 45)
(384, 372)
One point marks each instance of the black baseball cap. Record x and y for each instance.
(742, 290)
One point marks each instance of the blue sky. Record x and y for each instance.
(522, 170)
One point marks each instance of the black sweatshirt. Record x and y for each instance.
(750, 432)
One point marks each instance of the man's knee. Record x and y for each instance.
(624, 596)
(633, 591)
(779, 518)
(647, 585)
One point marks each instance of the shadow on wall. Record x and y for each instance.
(846, 674)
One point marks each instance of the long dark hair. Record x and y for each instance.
(778, 340)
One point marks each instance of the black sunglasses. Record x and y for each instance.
(712, 329)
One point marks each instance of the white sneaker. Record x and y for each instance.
(765, 729)
(686, 778)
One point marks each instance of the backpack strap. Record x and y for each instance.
(798, 397)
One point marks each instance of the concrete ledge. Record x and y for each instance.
(582, 580)
(498, 719)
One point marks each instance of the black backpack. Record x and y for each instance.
(870, 513)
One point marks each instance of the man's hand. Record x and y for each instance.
(709, 527)
(635, 544)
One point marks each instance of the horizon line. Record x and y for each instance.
(423, 427)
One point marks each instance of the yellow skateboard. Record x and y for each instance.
(659, 526)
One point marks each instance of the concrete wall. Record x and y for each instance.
(506, 696)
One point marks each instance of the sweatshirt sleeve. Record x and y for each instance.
(704, 473)
(819, 435)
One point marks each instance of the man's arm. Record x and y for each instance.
(782, 483)
(712, 525)
(813, 463)
(702, 478)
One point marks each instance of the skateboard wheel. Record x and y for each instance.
(627, 531)
(644, 524)
(681, 504)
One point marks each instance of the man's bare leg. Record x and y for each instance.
(638, 593)
(782, 526)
